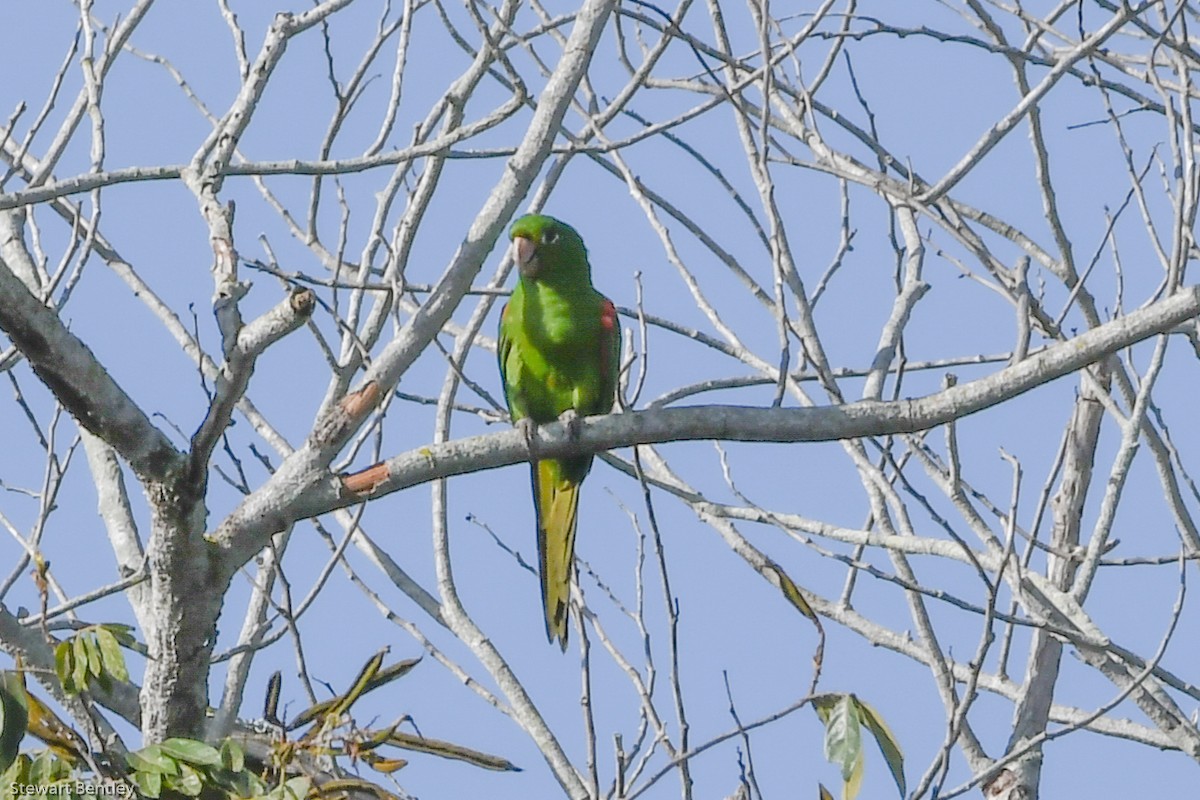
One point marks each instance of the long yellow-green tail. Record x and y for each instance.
(557, 507)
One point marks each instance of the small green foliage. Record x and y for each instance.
(43, 770)
(844, 716)
(192, 768)
(14, 717)
(189, 782)
(886, 741)
(232, 756)
(92, 654)
(110, 653)
(843, 741)
(148, 783)
(152, 759)
(184, 768)
(191, 751)
(64, 665)
(79, 665)
(294, 789)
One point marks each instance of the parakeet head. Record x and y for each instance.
(547, 249)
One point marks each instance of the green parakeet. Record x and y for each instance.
(560, 350)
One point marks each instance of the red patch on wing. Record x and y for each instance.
(609, 332)
(608, 315)
(504, 311)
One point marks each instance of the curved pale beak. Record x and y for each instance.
(525, 254)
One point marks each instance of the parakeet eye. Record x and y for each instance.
(551, 236)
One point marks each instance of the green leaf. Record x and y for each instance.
(188, 782)
(14, 717)
(191, 751)
(18, 772)
(151, 759)
(886, 741)
(247, 784)
(295, 789)
(111, 656)
(122, 632)
(41, 771)
(823, 703)
(852, 785)
(843, 739)
(79, 672)
(148, 783)
(94, 659)
(232, 756)
(64, 666)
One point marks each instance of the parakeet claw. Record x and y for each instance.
(573, 421)
(528, 429)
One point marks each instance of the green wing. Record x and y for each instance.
(503, 351)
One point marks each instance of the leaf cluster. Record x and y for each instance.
(845, 715)
(93, 654)
(194, 769)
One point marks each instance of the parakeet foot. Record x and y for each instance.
(528, 429)
(573, 421)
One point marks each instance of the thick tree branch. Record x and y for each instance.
(263, 513)
(816, 424)
(79, 381)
